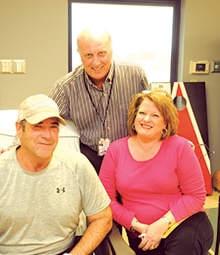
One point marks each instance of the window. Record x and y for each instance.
(146, 32)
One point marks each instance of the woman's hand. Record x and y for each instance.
(152, 234)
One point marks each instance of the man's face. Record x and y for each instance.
(96, 57)
(39, 140)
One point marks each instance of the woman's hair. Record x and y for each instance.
(165, 105)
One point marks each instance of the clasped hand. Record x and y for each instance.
(151, 234)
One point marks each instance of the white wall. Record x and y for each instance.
(37, 31)
(201, 41)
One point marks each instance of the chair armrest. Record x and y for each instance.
(118, 244)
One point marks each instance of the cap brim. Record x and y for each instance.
(44, 115)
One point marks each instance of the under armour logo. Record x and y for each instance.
(61, 190)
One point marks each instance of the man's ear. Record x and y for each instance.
(18, 129)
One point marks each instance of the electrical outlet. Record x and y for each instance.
(18, 66)
(5, 66)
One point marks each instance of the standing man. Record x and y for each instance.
(96, 95)
(43, 192)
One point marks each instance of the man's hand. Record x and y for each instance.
(3, 150)
(99, 226)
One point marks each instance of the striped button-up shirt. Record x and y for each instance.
(99, 113)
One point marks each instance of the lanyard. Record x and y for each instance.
(93, 104)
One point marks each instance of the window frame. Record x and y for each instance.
(176, 4)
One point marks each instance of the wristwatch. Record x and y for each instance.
(168, 222)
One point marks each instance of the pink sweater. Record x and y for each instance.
(171, 180)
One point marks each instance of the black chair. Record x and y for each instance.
(218, 230)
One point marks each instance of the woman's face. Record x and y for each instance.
(149, 122)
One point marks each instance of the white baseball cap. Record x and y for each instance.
(39, 107)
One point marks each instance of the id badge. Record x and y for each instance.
(103, 146)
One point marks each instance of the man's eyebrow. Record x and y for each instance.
(56, 122)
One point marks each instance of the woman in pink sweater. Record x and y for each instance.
(159, 180)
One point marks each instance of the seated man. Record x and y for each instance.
(43, 193)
